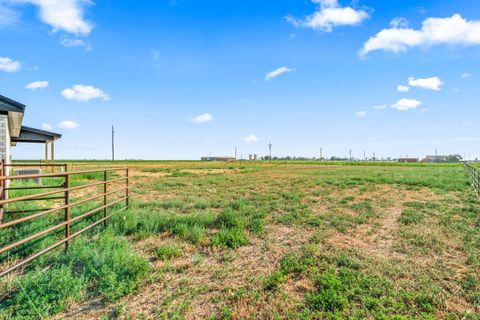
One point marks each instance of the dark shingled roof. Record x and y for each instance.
(9, 105)
(33, 135)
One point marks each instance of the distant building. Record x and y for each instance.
(435, 159)
(222, 159)
(408, 160)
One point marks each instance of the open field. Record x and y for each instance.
(260, 241)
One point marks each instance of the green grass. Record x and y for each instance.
(301, 225)
(105, 267)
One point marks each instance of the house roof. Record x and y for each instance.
(32, 135)
(9, 105)
(15, 111)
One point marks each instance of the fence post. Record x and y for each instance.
(67, 209)
(105, 197)
(127, 202)
(2, 191)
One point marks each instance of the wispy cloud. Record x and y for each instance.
(380, 107)
(454, 30)
(465, 139)
(47, 126)
(361, 114)
(75, 42)
(406, 104)
(203, 118)
(9, 65)
(156, 57)
(399, 22)
(80, 92)
(37, 85)
(8, 16)
(433, 83)
(466, 75)
(277, 72)
(329, 15)
(68, 124)
(402, 88)
(250, 138)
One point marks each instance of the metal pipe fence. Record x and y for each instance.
(110, 189)
(474, 177)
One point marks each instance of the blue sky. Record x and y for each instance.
(182, 78)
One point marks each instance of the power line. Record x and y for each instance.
(270, 147)
(113, 144)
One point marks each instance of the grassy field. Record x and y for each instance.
(260, 241)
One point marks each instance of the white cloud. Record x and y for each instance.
(361, 114)
(68, 124)
(37, 85)
(277, 72)
(250, 138)
(46, 126)
(380, 107)
(9, 65)
(454, 30)
(82, 92)
(406, 104)
(203, 118)
(466, 75)
(329, 15)
(403, 88)
(433, 83)
(65, 15)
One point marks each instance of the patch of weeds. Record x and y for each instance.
(364, 210)
(273, 281)
(329, 295)
(166, 252)
(411, 217)
(109, 265)
(44, 293)
(298, 262)
(178, 174)
(230, 238)
(196, 234)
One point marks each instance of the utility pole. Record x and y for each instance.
(235, 153)
(374, 157)
(364, 155)
(350, 155)
(270, 148)
(321, 153)
(113, 144)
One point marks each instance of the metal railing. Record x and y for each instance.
(474, 176)
(61, 196)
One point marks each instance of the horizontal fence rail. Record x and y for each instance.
(91, 207)
(474, 176)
